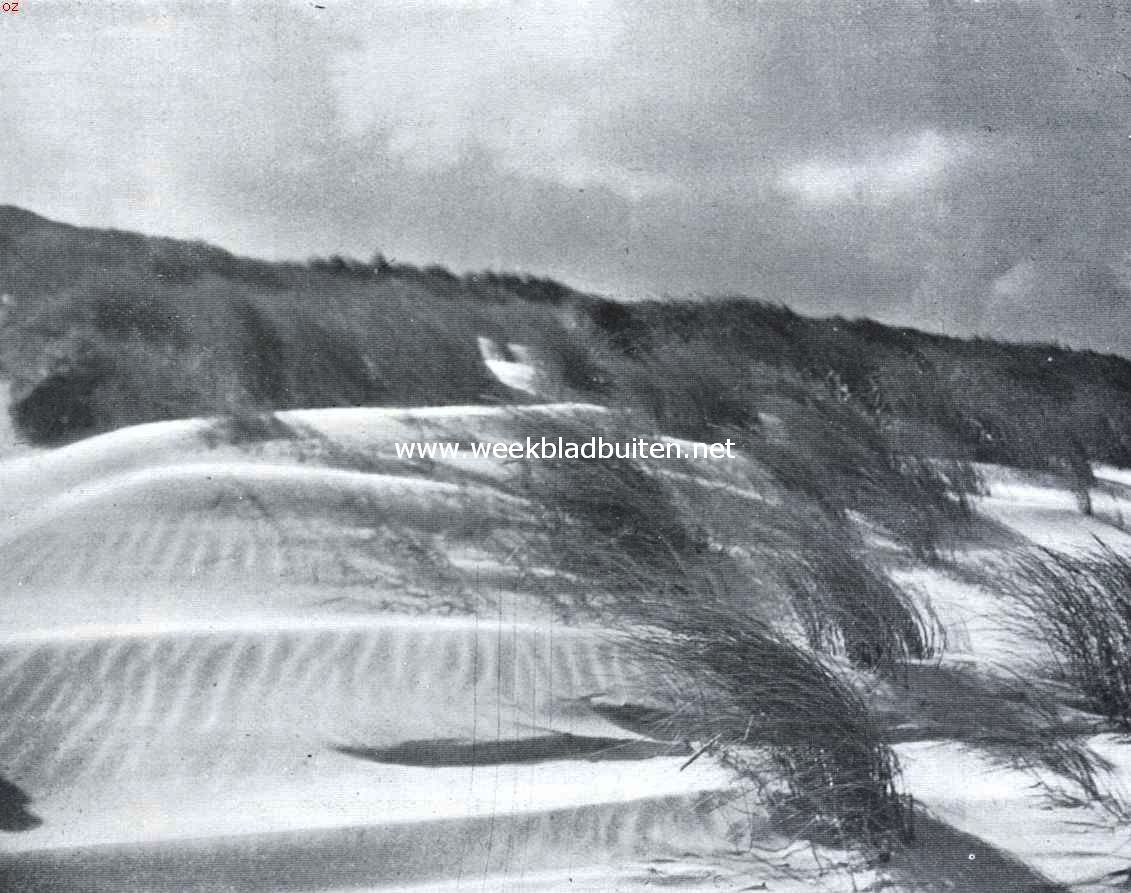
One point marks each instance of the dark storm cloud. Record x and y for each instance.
(958, 165)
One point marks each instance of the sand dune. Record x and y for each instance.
(997, 803)
(231, 702)
(487, 852)
(203, 688)
(222, 535)
(1044, 511)
(980, 693)
(159, 521)
(219, 670)
(26, 478)
(513, 365)
(208, 758)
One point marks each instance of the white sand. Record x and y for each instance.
(181, 661)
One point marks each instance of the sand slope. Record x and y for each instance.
(185, 748)
(204, 685)
(222, 667)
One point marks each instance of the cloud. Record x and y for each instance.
(129, 119)
(907, 168)
(519, 81)
(904, 160)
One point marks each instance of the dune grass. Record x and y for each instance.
(651, 559)
(788, 725)
(825, 449)
(114, 347)
(628, 527)
(835, 456)
(847, 605)
(655, 561)
(111, 328)
(1079, 606)
(1017, 404)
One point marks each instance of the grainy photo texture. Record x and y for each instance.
(589, 445)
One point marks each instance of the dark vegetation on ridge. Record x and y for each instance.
(752, 605)
(113, 328)
(103, 329)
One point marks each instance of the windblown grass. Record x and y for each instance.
(1079, 606)
(834, 455)
(848, 606)
(826, 449)
(625, 528)
(788, 725)
(113, 347)
(1017, 720)
(1017, 404)
(109, 329)
(628, 552)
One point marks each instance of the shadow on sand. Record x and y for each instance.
(14, 815)
(459, 752)
(945, 858)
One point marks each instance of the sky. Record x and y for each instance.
(956, 165)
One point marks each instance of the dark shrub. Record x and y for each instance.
(59, 407)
